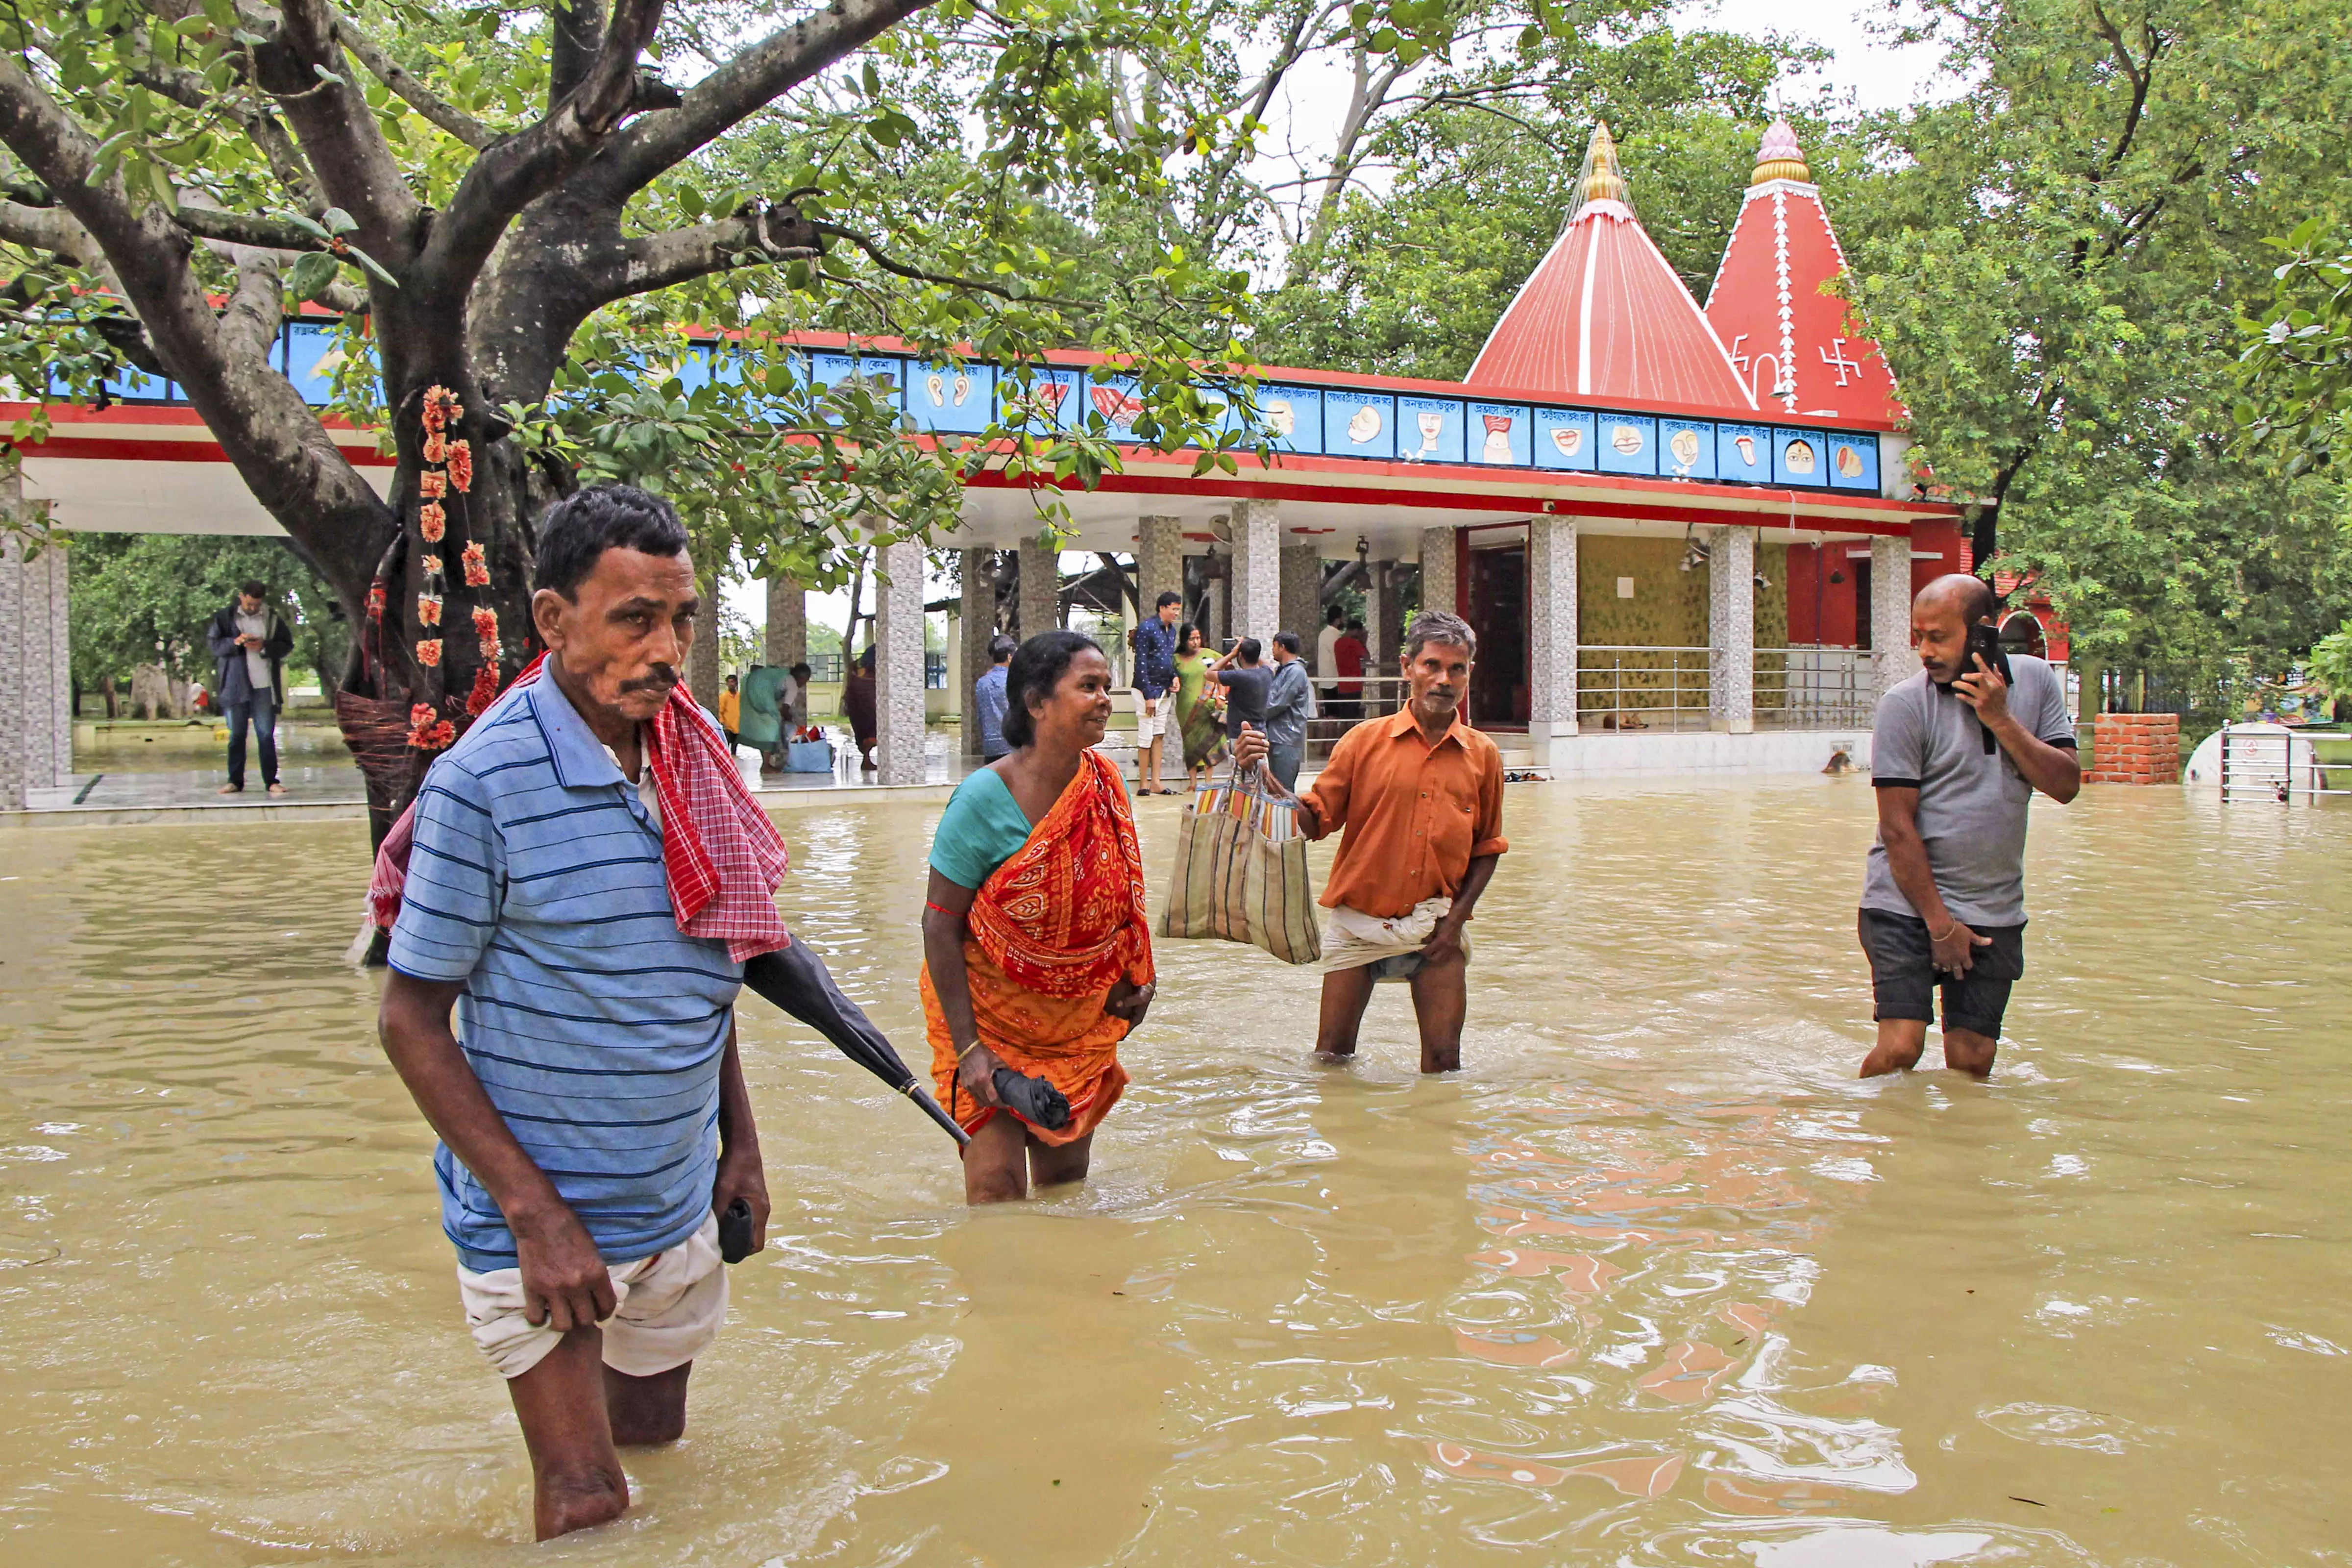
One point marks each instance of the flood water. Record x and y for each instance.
(1652, 1281)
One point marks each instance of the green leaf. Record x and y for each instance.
(311, 273)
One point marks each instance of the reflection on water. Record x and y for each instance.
(1654, 1282)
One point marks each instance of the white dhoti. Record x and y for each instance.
(1390, 947)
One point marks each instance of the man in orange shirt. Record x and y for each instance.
(1419, 797)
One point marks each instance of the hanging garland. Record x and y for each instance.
(448, 472)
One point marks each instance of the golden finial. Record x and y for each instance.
(1602, 179)
(1781, 158)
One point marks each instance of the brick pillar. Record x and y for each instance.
(2133, 748)
(1041, 588)
(1437, 586)
(898, 661)
(976, 620)
(1256, 585)
(1892, 661)
(1551, 626)
(1731, 629)
(1160, 569)
(36, 673)
(785, 642)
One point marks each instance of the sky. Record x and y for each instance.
(1878, 75)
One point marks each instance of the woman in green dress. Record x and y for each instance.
(1196, 714)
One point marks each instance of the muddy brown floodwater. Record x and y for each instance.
(1652, 1281)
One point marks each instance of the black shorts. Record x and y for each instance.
(1903, 975)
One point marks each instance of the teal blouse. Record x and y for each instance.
(981, 829)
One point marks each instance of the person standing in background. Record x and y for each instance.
(987, 697)
(1196, 714)
(250, 640)
(1245, 682)
(1289, 704)
(1155, 674)
(794, 699)
(731, 714)
(1326, 642)
(760, 714)
(857, 706)
(1349, 656)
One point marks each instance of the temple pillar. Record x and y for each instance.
(1552, 632)
(1160, 569)
(977, 623)
(1731, 629)
(1892, 662)
(785, 642)
(703, 675)
(1379, 629)
(1437, 575)
(1256, 587)
(1041, 588)
(36, 673)
(898, 661)
(1302, 596)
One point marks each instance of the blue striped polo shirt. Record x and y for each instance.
(595, 1025)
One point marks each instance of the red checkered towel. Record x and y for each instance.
(724, 858)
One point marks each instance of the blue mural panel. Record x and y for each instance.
(1502, 433)
(1117, 402)
(960, 399)
(1687, 449)
(311, 360)
(1290, 414)
(1629, 443)
(1429, 429)
(1564, 439)
(1051, 401)
(1854, 461)
(1743, 454)
(1359, 424)
(1800, 457)
(130, 381)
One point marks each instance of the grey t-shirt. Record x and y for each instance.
(1245, 688)
(257, 663)
(1972, 805)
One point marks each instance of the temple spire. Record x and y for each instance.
(1600, 179)
(1779, 157)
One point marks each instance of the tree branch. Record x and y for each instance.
(409, 90)
(742, 87)
(518, 168)
(757, 238)
(200, 218)
(55, 230)
(301, 66)
(190, 91)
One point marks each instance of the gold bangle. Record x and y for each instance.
(1948, 933)
(968, 1050)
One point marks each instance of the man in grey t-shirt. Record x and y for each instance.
(1956, 756)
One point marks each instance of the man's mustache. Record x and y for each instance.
(662, 679)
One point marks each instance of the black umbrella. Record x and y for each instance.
(797, 979)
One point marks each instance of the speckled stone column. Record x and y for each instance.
(1041, 587)
(1302, 595)
(1892, 662)
(1257, 570)
(976, 623)
(787, 641)
(1160, 569)
(1731, 629)
(1552, 632)
(1437, 586)
(703, 675)
(35, 684)
(898, 661)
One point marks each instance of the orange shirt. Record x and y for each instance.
(1416, 815)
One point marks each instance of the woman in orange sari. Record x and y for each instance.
(1037, 946)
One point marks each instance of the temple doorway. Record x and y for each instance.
(1497, 580)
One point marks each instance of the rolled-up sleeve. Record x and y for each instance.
(457, 879)
(1489, 839)
(1328, 793)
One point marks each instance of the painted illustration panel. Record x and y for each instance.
(1800, 457)
(313, 358)
(1629, 443)
(957, 398)
(1854, 461)
(1359, 424)
(1502, 433)
(1743, 453)
(1687, 449)
(1564, 439)
(1429, 429)
(1050, 401)
(1290, 417)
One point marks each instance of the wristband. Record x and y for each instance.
(968, 1050)
(1948, 933)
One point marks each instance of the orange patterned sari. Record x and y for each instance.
(1050, 932)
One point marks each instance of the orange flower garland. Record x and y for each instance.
(428, 610)
(428, 652)
(477, 568)
(448, 471)
(433, 521)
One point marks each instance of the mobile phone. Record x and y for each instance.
(735, 1232)
(1984, 642)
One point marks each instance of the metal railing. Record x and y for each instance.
(1626, 687)
(2261, 762)
(1335, 715)
(1808, 687)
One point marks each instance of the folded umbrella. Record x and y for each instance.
(797, 979)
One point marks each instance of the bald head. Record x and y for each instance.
(1940, 617)
(1971, 598)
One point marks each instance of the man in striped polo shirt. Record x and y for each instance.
(595, 1120)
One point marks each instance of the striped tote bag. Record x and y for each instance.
(1241, 874)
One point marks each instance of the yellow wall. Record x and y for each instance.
(1668, 608)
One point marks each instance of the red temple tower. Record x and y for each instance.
(1604, 316)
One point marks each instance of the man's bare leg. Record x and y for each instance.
(646, 1412)
(1051, 1164)
(1900, 1041)
(1346, 994)
(1441, 1001)
(576, 1479)
(996, 1162)
(1967, 1051)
